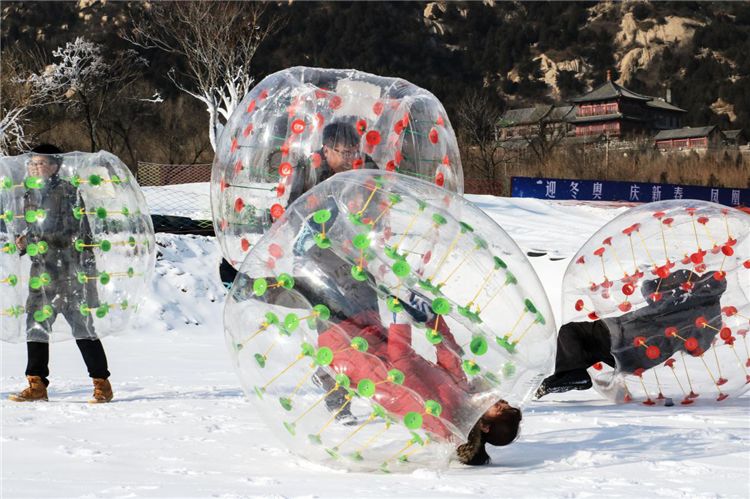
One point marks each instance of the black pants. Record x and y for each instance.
(92, 352)
(582, 344)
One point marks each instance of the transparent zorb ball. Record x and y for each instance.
(76, 246)
(671, 282)
(301, 125)
(376, 322)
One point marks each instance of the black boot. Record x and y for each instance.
(577, 379)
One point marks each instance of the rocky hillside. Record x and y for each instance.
(515, 53)
(553, 51)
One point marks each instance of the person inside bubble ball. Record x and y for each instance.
(340, 152)
(57, 229)
(676, 303)
(443, 380)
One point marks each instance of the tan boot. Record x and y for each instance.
(102, 391)
(36, 391)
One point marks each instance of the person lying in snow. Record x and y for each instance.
(677, 302)
(443, 380)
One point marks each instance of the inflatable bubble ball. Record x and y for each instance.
(380, 317)
(76, 243)
(299, 126)
(670, 281)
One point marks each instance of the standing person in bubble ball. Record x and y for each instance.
(63, 294)
(339, 152)
(611, 340)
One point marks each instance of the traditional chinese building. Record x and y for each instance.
(615, 111)
(734, 139)
(529, 121)
(689, 138)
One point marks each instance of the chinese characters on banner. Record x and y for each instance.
(638, 192)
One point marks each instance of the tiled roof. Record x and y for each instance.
(685, 133)
(605, 117)
(733, 134)
(525, 115)
(662, 104)
(533, 115)
(610, 90)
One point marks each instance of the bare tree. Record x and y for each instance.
(478, 119)
(217, 41)
(86, 82)
(544, 136)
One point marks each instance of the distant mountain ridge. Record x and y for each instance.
(519, 54)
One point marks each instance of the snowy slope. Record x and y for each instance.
(180, 427)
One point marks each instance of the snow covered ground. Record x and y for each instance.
(180, 427)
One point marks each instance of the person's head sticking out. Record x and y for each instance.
(498, 426)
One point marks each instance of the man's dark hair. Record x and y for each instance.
(504, 428)
(50, 150)
(340, 133)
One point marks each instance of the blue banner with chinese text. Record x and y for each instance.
(604, 190)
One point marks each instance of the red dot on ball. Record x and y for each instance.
(298, 126)
(275, 250)
(372, 137)
(277, 210)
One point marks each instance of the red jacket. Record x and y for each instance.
(443, 382)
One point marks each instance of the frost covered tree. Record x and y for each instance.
(18, 100)
(217, 42)
(86, 82)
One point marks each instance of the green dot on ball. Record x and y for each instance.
(287, 281)
(465, 227)
(358, 273)
(471, 367)
(360, 344)
(478, 345)
(529, 306)
(441, 306)
(366, 388)
(395, 376)
(260, 286)
(361, 241)
(401, 268)
(324, 356)
(413, 420)
(323, 312)
(343, 380)
(322, 216)
(291, 322)
(432, 407)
